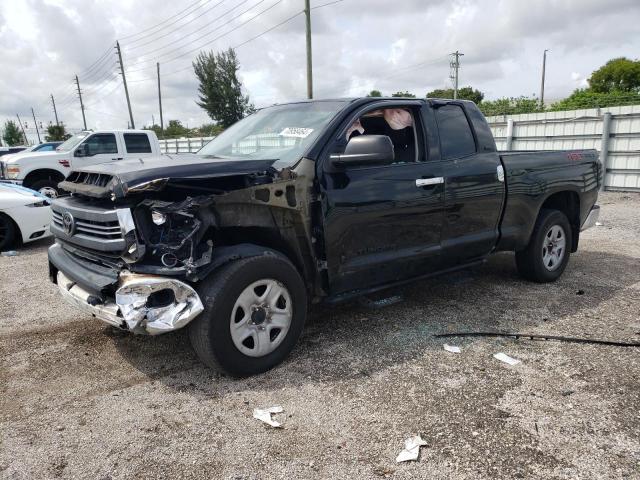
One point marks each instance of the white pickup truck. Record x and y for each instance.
(43, 171)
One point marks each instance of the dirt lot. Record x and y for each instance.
(81, 400)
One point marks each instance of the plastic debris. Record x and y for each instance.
(411, 449)
(264, 415)
(599, 224)
(9, 253)
(451, 348)
(506, 358)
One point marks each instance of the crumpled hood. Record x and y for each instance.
(127, 174)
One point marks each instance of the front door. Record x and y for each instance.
(382, 223)
(97, 148)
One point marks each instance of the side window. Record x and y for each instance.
(456, 138)
(137, 143)
(397, 123)
(102, 143)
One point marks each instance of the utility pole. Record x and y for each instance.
(455, 66)
(124, 79)
(26, 141)
(84, 120)
(307, 13)
(36, 124)
(544, 66)
(53, 102)
(160, 98)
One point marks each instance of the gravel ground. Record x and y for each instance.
(81, 400)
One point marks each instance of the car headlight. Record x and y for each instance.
(43, 203)
(13, 171)
(158, 217)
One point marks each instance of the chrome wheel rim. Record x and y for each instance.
(554, 247)
(261, 317)
(49, 192)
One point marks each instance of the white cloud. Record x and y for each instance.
(357, 46)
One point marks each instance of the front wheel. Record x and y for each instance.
(8, 232)
(547, 254)
(254, 313)
(46, 187)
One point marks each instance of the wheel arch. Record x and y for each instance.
(42, 174)
(19, 239)
(567, 202)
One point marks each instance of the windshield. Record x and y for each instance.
(72, 142)
(280, 133)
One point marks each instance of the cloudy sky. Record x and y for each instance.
(358, 45)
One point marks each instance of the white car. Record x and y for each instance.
(24, 215)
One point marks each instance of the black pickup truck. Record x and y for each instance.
(314, 201)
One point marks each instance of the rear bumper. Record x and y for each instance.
(592, 218)
(145, 304)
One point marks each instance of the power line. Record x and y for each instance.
(207, 34)
(170, 31)
(234, 46)
(186, 35)
(163, 22)
(326, 4)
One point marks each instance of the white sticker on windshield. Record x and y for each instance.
(298, 132)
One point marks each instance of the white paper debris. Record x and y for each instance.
(599, 224)
(411, 449)
(451, 348)
(506, 358)
(264, 415)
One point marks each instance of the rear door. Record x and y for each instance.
(137, 145)
(474, 188)
(382, 223)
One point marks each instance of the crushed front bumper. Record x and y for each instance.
(592, 218)
(145, 304)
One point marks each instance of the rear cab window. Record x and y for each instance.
(137, 143)
(456, 136)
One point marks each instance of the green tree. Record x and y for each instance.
(176, 129)
(403, 94)
(464, 93)
(510, 106)
(11, 133)
(209, 130)
(220, 90)
(374, 93)
(618, 74)
(56, 133)
(587, 98)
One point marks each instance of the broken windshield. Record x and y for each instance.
(280, 133)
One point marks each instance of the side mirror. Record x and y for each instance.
(82, 150)
(365, 150)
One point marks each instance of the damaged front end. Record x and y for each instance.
(157, 238)
(143, 304)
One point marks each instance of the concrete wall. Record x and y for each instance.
(577, 129)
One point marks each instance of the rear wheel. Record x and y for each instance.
(547, 254)
(255, 310)
(46, 187)
(8, 232)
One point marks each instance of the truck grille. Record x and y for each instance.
(87, 178)
(88, 226)
(92, 228)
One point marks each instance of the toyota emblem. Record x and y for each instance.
(68, 223)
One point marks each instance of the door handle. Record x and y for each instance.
(424, 182)
(119, 158)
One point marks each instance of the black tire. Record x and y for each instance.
(45, 185)
(210, 333)
(8, 232)
(530, 261)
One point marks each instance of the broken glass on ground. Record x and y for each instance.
(264, 415)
